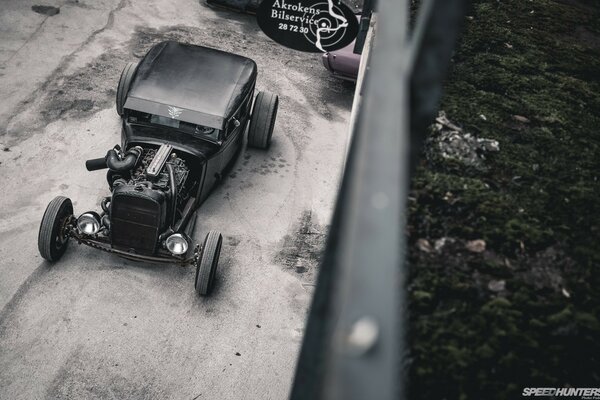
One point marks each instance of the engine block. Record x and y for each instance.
(159, 179)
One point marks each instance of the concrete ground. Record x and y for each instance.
(97, 326)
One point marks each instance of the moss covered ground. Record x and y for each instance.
(525, 311)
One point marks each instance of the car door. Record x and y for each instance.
(344, 61)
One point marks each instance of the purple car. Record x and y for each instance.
(343, 63)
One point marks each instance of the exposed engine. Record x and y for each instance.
(156, 175)
(149, 187)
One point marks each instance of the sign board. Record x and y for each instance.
(308, 25)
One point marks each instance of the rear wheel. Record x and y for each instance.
(263, 120)
(206, 270)
(52, 238)
(124, 83)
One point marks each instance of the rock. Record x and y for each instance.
(522, 119)
(443, 120)
(449, 141)
(424, 245)
(476, 246)
(497, 286)
(439, 244)
(421, 295)
(489, 145)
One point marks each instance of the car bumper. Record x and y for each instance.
(326, 63)
(102, 244)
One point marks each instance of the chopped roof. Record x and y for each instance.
(191, 83)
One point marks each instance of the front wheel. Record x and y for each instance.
(206, 269)
(263, 120)
(52, 238)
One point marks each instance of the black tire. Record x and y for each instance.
(124, 83)
(263, 120)
(206, 270)
(52, 241)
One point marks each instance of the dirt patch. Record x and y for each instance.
(269, 165)
(85, 92)
(77, 95)
(86, 375)
(301, 251)
(45, 10)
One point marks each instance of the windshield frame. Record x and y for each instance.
(146, 119)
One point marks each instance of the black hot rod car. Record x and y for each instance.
(184, 111)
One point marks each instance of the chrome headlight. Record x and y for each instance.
(177, 244)
(88, 223)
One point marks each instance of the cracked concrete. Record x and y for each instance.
(97, 326)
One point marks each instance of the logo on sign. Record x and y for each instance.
(308, 25)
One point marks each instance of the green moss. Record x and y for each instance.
(587, 320)
(561, 317)
(536, 204)
(421, 295)
(495, 306)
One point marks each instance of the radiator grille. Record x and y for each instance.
(135, 223)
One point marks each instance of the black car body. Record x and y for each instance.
(184, 111)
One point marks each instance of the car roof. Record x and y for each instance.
(191, 83)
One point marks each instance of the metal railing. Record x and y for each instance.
(354, 344)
